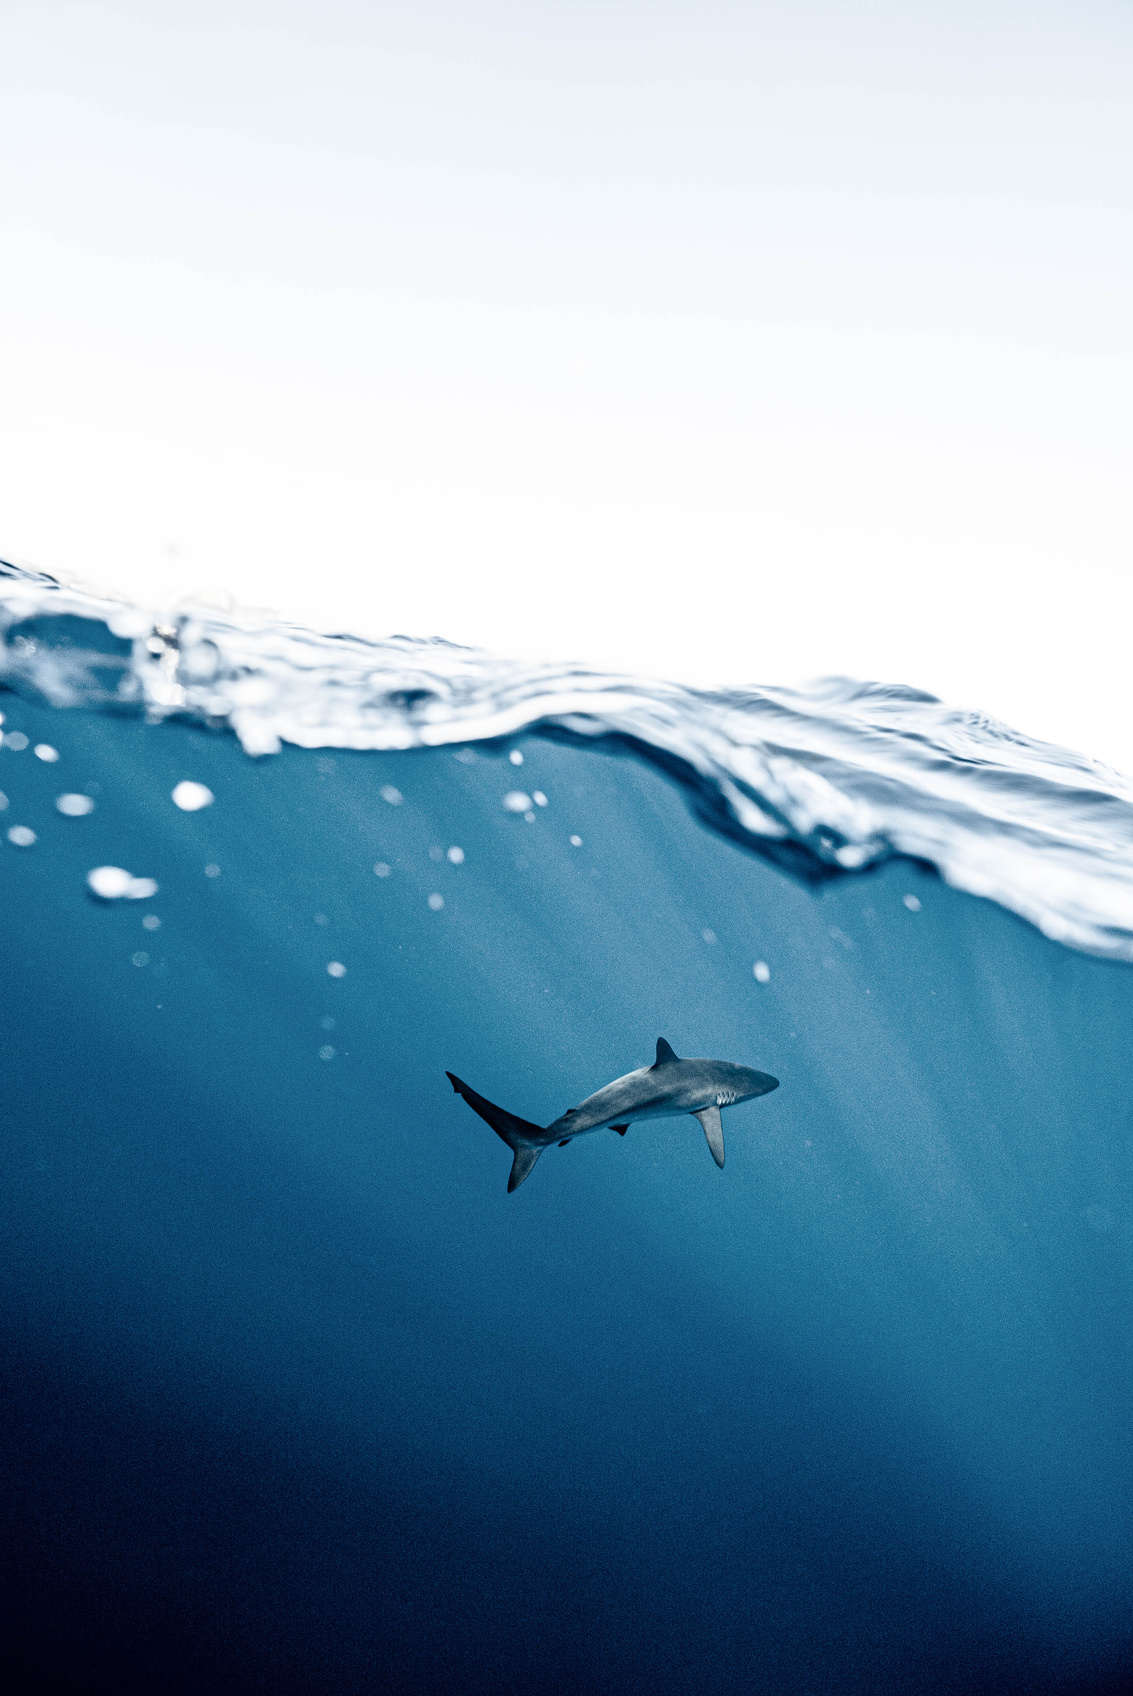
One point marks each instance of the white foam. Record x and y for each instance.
(191, 797)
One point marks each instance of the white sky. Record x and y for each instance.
(736, 342)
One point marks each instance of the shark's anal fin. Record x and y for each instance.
(525, 1157)
(621, 1129)
(710, 1118)
(664, 1054)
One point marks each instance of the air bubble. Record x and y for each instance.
(515, 801)
(326, 1052)
(390, 794)
(456, 856)
(44, 751)
(20, 836)
(326, 1023)
(538, 797)
(912, 903)
(336, 969)
(761, 971)
(436, 902)
(212, 870)
(113, 883)
(141, 958)
(16, 740)
(151, 922)
(74, 806)
(191, 797)
(381, 869)
(708, 935)
(516, 757)
(576, 842)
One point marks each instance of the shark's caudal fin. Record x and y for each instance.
(525, 1158)
(517, 1133)
(664, 1054)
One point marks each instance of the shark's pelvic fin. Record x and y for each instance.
(621, 1129)
(516, 1132)
(714, 1131)
(664, 1053)
(566, 1142)
(525, 1157)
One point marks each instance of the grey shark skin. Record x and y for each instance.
(665, 1090)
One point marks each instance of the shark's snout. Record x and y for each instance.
(758, 1083)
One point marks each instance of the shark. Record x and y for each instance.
(666, 1090)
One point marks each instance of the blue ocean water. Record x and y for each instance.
(298, 1398)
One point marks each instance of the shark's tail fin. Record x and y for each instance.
(517, 1133)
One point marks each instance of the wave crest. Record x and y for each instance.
(830, 779)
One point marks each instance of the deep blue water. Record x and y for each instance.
(298, 1399)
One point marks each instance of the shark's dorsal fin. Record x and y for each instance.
(664, 1053)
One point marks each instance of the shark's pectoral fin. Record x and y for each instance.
(714, 1131)
(525, 1157)
(621, 1129)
